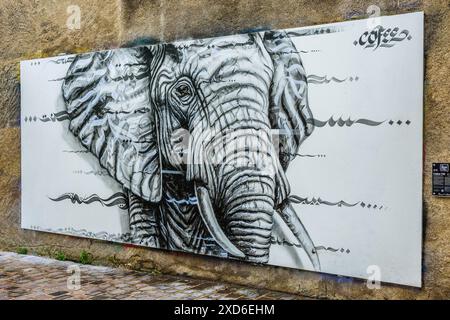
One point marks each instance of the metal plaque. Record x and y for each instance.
(441, 179)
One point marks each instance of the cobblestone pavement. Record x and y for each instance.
(31, 277)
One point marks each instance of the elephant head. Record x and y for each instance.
(127, 106)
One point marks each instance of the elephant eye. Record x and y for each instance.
(183, 91)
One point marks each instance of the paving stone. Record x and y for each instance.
(35, 278)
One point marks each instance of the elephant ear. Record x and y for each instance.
(108, 101)
(288, 110)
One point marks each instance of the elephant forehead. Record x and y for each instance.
(203, 46)
(226, 65)
(211, 58)
(127, 62)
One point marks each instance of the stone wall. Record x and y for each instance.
(33, 29)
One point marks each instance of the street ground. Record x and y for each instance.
(25, 277)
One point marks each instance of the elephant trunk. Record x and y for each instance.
(238, 210)
(247, 191)
(248, 215)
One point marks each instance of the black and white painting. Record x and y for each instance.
(299, 148)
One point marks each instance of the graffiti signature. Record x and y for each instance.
(382, 37)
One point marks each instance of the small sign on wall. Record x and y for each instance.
(441, 179)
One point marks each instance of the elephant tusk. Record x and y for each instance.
(210, 220)
(298, 229)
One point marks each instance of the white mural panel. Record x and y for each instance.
(299, 148)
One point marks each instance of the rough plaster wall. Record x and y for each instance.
(32, 29)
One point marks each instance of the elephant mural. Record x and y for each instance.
(187, 130)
